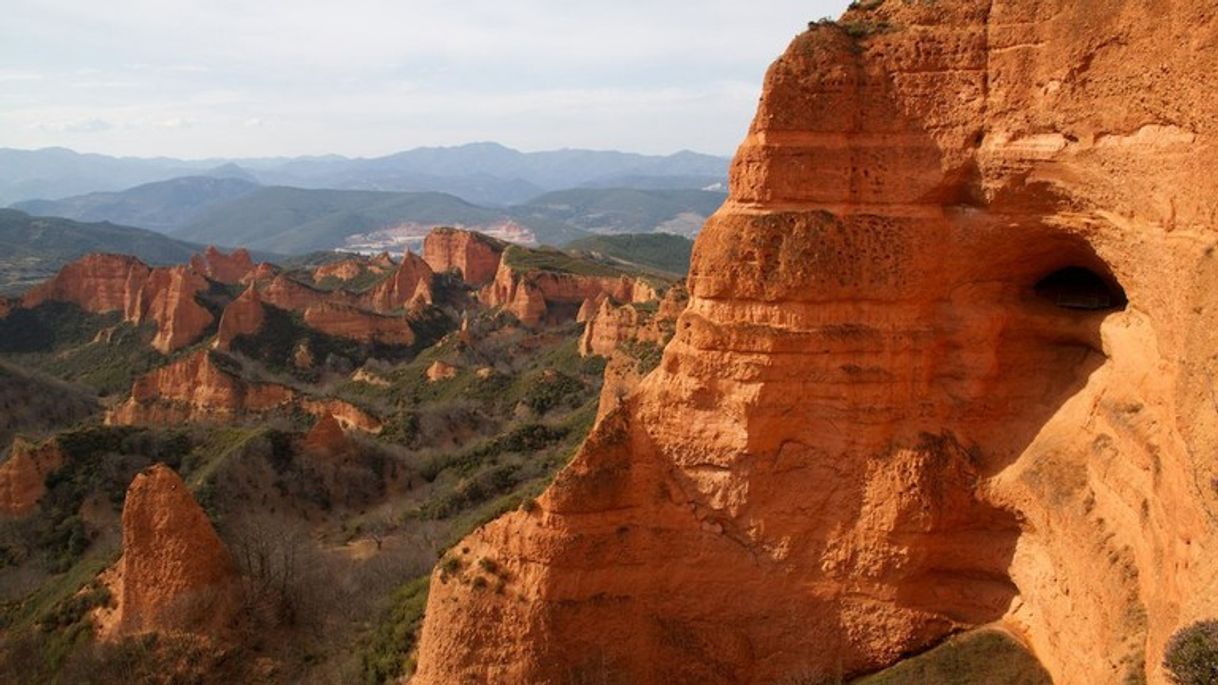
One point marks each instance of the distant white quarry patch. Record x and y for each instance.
(409, 236)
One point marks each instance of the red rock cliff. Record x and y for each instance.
(96, 283)
(534, 296)
(230, 268)
(167, 299)
(164, 296)
(175, 574)
(399, 290)
(243, 316)
(195, 389)
(872, 427)
(473, 255)
(23, 475)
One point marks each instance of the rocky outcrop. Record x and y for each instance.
(349, 416)
(336, 313)
(353, 267)
(167, 300)
(194, 388)
(23, 475)
(287, 293)
(356, 324)
(610, 325)
(871, 428)
(327, 437)
(175, 574)
(441, 371)
(164, 297)
(96, 283)
(265, 272)
(536, 296)
(473, 255)
(6, 306)
(397, 291)
(243, 316)
(230, 269)
(370, 378)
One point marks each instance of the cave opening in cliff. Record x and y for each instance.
(1077, 287)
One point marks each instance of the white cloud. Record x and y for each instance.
(373, 76)
(76, 126)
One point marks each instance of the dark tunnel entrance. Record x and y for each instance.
(1076, 287)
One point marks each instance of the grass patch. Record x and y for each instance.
(386, 655)
(553, 260)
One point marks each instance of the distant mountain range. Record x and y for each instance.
(162, 206)
(487, 174)
(291, 220)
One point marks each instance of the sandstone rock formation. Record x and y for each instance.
(349, 416)
(287, 293)
(353, 267)
(263, 273)
(327, 437)
(534, 296)
(356, 324)
(96, 283)
(871, 428)
(243, 316)
(167, 300)
(370, 377)
(164, 296)
(398, 290)
(23, 475)
(175, 574)
(439, 371)
(473, 255)
(214, 264)
(194, 388)
(610, 325)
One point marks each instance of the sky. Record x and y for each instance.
(235, 78)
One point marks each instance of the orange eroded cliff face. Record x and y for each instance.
(231, 268)
(287, 293)
(167, 299)
(537, 296)
(353, 267)
(349, 322)
(23, 475)
(175, 575)
(475, 256)
(907, 395)
(398, 291)
(195, 389)
(265, 272)
(349, 416)
(164, 296)
(609, 325)
(243, 316)
(96, 283)
(327, 437)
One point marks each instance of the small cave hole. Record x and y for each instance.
(1077, 287)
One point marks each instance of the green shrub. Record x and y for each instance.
(1192, 654)
(386, 655)
(550, 390)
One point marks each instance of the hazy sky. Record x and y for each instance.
(240, 78)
